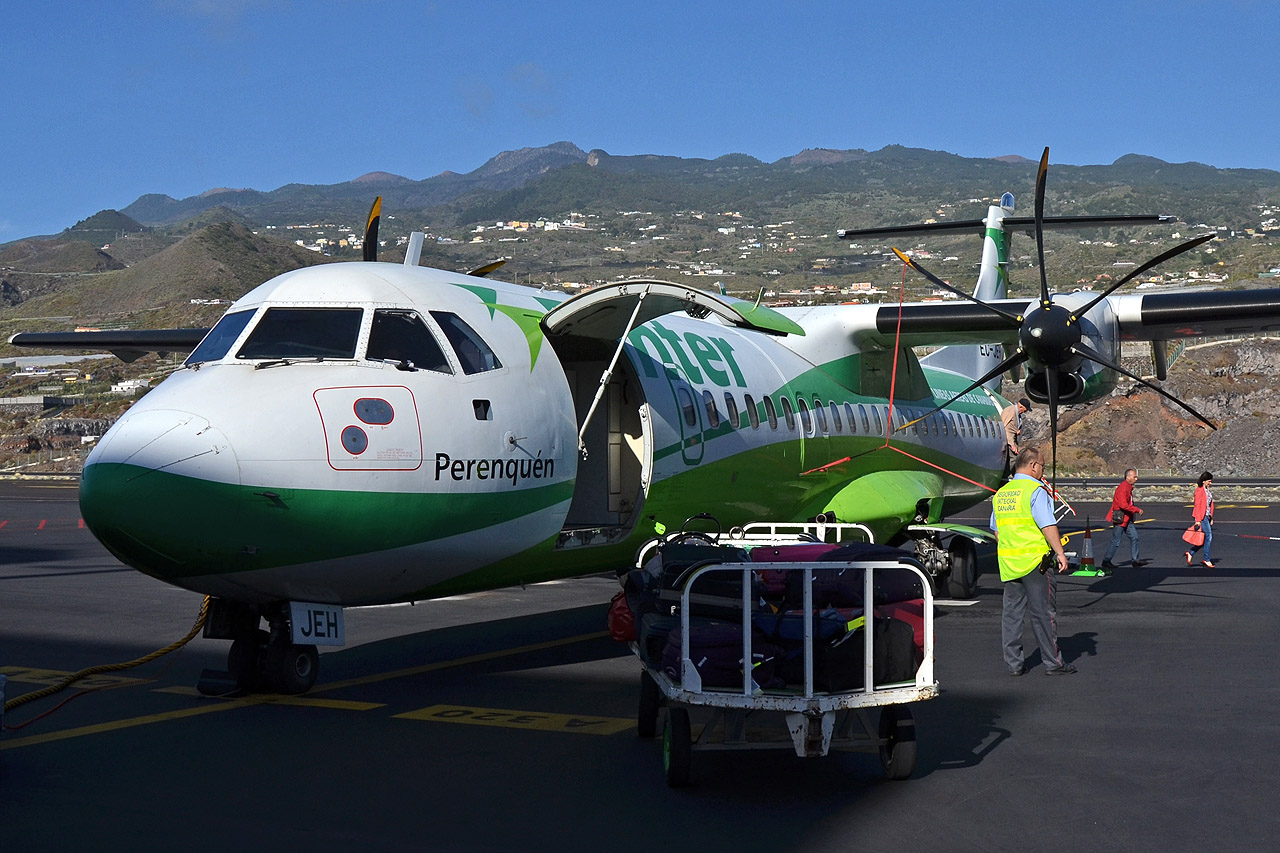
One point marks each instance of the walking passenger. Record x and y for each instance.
(1123, 511)
(1202, 514)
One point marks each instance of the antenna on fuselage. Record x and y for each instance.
(413, 256)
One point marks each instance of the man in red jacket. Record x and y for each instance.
(1123, 511)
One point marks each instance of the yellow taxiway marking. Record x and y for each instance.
(244, 702)
(446, 664)
(520, 719)
(278, 699)
(114, 725)
(47, 677)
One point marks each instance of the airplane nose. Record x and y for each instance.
(158, 488)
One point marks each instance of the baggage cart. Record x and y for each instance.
(872, 716)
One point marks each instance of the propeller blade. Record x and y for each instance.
(1158, 259)
(371, 230)
(1012, 318)
(1012, 361)
(1095, 356)
(1051, 383)
(481, 272)
(1041, 176)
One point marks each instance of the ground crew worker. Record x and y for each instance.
(1028, 547)
(1011, 416)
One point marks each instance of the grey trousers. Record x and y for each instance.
(1039, 594)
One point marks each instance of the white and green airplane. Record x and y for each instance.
(363, 433)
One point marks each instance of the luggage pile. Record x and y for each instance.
(774, 599)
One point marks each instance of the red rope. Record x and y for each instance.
(940, 468)
(893, 382)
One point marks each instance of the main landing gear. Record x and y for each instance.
(259, 661)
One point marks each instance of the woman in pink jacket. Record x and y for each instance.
(1202, 512)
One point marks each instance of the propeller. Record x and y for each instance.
(371, 230)
(1051, 336)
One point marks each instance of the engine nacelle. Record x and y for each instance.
(1071, 387)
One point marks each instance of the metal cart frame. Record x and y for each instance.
(816, 721)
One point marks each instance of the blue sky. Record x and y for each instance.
(108, 101)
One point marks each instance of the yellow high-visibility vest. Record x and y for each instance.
(1021, 544)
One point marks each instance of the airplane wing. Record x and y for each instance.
(1165, 316)
(1140, 316)
(126, 345)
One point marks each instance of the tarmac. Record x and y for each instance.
(505, 721)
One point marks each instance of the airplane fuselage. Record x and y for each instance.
(365, 433)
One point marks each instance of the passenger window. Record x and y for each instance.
(788, 412)
(731, 409)
(473, 353)
(687, 405)
(771, 413)
(304, 333)
(713, 414)
(866, 424)
(835, 416)
(879, 426)
(753, 414)
(821, 414)
(853, 423)
(805, 423)
(218, 342)
(401, 337)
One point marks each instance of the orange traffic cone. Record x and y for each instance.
(1086, 559)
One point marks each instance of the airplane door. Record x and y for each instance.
(690, 417)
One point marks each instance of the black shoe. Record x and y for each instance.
(1108, 565)
(1065, 669)
(1137, 564)
(1021, 670)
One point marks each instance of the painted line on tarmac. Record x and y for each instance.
(446, 664)
(248, 701)
(115, 725)
(520, 719)
(48, 677)
(278, 699)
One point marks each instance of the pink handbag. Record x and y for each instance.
(1193, 536)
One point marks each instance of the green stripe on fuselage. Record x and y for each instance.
(171, 526)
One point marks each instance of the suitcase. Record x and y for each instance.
(652, 636)
(838, 666)
(716, 595)
(774, 581)
(890, 584)
(716, 651)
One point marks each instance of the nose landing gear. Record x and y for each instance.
(258, 661)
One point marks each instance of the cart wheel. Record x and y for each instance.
(963, 581)
(677, 747)
(898, 731)
(650, 697)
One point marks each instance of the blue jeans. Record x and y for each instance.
(1206, 527)
(1116, 533)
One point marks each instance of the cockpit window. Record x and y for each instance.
(218, 342)
(473, 353)
(402, 337)
(304, 333)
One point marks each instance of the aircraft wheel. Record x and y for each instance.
(291, 669)
(898, 731)
(963, 581)
(677, 747)
(244, 658)
(650, 698)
